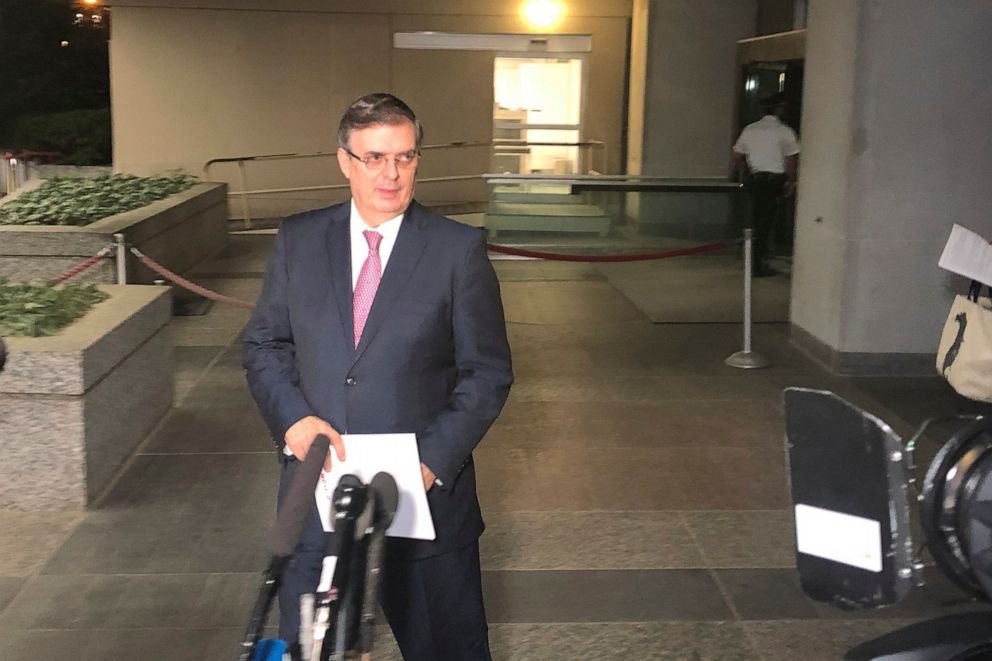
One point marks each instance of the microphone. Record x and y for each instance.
(334, 617)
(344, 617)
(299, 500)
(386, 497)
(285, 536)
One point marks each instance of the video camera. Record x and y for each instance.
(853, 479)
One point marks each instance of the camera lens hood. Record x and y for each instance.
(955, 484)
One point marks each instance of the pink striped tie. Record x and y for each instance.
(368, 283)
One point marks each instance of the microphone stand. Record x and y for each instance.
(335, 611)
(285, 536)
(360, 536)
(386, 493)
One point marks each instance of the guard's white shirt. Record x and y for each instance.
(360, 250)
(766, 143)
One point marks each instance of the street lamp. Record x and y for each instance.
(90, 14)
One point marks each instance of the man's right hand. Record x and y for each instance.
(300, 436)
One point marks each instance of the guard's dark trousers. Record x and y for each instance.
(766, 195)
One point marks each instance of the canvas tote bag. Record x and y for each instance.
(964, 356)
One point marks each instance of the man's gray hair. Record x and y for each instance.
(376, 109)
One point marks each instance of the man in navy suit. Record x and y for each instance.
(379, 316)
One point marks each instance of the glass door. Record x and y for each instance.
(537, 115)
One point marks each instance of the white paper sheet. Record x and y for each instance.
(396, 454)
(969, 254)
(845, 538)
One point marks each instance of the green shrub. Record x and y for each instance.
(38, 308)
(79, 201)
(81, 136)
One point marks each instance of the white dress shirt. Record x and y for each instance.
(766, 143)
(360, 247)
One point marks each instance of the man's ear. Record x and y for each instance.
(344, 162)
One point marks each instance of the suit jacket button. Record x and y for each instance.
(350, 381)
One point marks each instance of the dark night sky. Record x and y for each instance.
(40, 75)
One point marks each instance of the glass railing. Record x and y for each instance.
(593, 214)
(600, 214)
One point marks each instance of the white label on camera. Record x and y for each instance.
(845, 538)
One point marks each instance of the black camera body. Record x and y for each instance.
(853, 482)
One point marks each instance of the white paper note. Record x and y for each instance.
(845, 538)
(396, 454)
(969, 254)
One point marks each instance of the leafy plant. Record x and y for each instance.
(80, 201)
(41, 308)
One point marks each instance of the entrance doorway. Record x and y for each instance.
(537, 112)
(762, 79)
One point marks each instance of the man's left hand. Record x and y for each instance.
(429, 477)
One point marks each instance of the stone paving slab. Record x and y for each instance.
(634, 490)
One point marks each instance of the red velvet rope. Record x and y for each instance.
(186, 284)
(637, 257)
(76, 270)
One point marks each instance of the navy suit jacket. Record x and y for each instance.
(433, 358)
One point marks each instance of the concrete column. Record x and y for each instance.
(691, 75)
(897, 146)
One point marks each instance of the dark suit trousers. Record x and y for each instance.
(434, 605)
(766, 192)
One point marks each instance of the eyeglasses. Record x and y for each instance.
(376, 161)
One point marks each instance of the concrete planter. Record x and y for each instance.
(178, 232)
(74, 406)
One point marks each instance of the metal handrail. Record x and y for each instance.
(457, 144)
(244, 191)
(499, 178)
(302, 189)
(624, 183)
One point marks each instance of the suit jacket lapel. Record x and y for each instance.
(409, 246)
(339, 252)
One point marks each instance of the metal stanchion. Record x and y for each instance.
(244, 195)
(9, 173)
(121, 259)
(747, 359)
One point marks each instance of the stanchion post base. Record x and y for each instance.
(747, 360)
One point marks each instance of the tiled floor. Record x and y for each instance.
(635, 491)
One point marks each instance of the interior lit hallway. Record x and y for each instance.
(634, 489)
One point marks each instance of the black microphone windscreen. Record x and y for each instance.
(349, 496)
(387, 498)
(299, 500)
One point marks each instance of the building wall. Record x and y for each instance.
(821, 206)
(637, 85)
(691, 78)
(775, 16)
(199, 79)
(897, 148)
